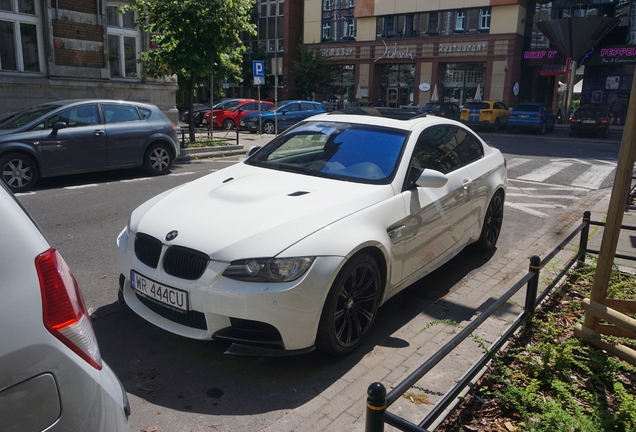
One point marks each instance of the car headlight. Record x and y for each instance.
(214, 117)
(268, 269)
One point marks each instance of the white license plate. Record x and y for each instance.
(524, 116)
(171, 297)
(589, 121)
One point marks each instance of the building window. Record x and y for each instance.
(484, 19)
(445, 23)
(123, 43)
(460, 21)
(338, 20)
(20, 36)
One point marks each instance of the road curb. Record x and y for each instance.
(188, 154)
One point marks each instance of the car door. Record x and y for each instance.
(81, 145)
(471, 152)
(436, 217)
(126, 134)
(289, 115)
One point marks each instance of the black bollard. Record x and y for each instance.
(376, 406)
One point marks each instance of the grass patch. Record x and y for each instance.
(549, 380)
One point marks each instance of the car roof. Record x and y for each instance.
(383, 121)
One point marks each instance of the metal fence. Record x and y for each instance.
(226, 136)
(377, 398)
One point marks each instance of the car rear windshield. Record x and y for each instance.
(343, 151)
(477, 105)
(527, 107)
(591, 111)
(27, 116)
(432, 107)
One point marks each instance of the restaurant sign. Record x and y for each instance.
(394, 53)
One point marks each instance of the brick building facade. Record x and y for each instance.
(74, 49)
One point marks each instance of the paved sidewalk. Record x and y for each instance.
(341, 407)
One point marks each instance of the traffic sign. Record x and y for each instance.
(258, 69)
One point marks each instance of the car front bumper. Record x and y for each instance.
(221, 307)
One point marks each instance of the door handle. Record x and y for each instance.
(99, 132)
(396, 232)
(467, 183)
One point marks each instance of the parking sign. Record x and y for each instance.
(258, 69)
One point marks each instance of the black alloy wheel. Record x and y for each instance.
(492, 223)
(19, 172)
(496, 125)
(158, 159)
(351, 306)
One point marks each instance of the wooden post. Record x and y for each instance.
(620, 191)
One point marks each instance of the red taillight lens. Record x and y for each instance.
(604, 121)
(174, 127)
(536, 115)
(64, 311)
(574, 120)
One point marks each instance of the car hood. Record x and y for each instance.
(8, 131)
(250, 212)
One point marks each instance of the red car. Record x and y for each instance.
(229, 116)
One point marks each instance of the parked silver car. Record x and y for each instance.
(78, 136)
(53, 377)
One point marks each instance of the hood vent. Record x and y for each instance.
(228, 180)
(299, 193)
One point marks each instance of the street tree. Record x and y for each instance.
(311, 73)
(193, 39)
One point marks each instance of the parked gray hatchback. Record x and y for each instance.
(52, 374)
(77, 136)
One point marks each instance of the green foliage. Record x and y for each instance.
(194, 38)
(556, 382)
(311, 73)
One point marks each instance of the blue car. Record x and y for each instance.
(288, 114)
(533, 116)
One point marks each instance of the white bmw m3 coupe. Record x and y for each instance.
(296, 247)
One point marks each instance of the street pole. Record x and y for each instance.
(276, 70)
(212, 99)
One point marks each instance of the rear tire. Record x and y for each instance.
(158, 159)
(492, 223)
(351, 306)
(19, 172)
(496, 125)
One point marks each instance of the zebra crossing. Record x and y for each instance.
(536, 187)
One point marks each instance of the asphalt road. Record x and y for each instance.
(185, 385)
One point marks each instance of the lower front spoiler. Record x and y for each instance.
(246, 350)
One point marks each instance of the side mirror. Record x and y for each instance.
(283, 112)
(59, 125)
(253, 150)
(431, 179)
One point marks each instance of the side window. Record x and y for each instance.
(145, 112)
(307, 107)
(77, 116)
(436, 149)
(249, 106)
(120, 113)
(468, 147)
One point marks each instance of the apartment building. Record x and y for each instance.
(74, 49)
(408, 52)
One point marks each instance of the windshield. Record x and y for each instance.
(477, 105)
(27, 116)
(527, 107)
(223, 104)
(343, 151)
(432, 107)
(231, 105)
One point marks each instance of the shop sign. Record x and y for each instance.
(463, 48)
(337, 52)
(618, 55)
(533, 55)
(394, 54)
(552, 69)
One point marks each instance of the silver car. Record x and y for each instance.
(78, 136)
(52, 375)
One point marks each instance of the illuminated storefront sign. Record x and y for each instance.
(528, 55)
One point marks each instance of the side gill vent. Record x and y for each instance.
(299, 193)
(228, 179)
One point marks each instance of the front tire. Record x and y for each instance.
(228, 124)
(158, 159)
(351, 306)
(19, 172)
(492, 223)
(268, 127)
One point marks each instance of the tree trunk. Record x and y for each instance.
(193, 76)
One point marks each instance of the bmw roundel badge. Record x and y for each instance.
(172, 235)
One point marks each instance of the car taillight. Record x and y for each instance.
(174, 127)
(605, 121)
(487, 112)
(536, 115)
(64, 311)
(574, 120)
